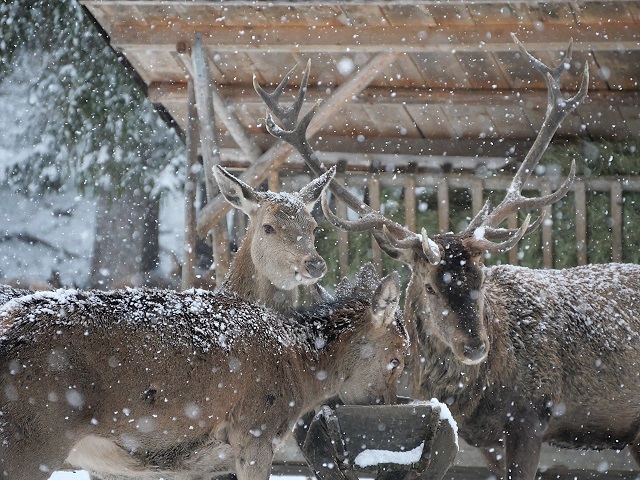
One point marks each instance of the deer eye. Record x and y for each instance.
(316, 231)
(429, 289)
(268, 228)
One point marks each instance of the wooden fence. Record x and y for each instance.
(412, 186)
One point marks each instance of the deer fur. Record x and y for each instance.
(152, 384)
(561, 357)
(277, 254)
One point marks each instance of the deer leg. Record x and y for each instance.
(253, 460)
(495, 462)
(523, 442)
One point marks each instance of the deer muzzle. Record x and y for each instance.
(316, 267)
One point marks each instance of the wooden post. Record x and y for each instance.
(616, 221)
(190, 188)
(410, 197)
(209, 145)
(443, 205)
(274, 181)
(374, 202)
(477, 195)
(580, 197)
(547, 228)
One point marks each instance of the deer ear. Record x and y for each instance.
(385, 300)
(311, 192)
(237, 193)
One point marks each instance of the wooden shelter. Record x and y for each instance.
(418, 86)
(423, 85)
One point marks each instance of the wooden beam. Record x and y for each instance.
(228, 118)
(616, 222)
(162, 92)
(190, 188)
(339, 38)
(209, 146)
(580, 198)
(274, 157)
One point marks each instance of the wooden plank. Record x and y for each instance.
(482, 70)
(512, 223)
(343, 241)
(374, 202)
(616, 221)
(456, 36)
(547, 228)
(443, 205)
(477, 194)
(406, 14)
(190, 188)
(410, 201)
(470, 121)
(580, 196)
(275, 156)
(273, 181)
(392, 120)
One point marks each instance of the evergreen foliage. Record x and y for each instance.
(97, 128)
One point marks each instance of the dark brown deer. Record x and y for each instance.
(277, 254)
(521, 356)
(152, 384)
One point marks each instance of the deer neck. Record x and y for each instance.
(244, 280)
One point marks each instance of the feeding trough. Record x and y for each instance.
(415, 440)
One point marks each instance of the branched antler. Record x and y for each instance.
(294, 133)
(558, 108)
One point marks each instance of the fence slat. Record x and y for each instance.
(443, 205)
(616, 221)
(580, 198)
(374, 202)
(410, 202)
(547, 228)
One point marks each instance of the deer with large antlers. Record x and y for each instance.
(522, 356)
(152, 384)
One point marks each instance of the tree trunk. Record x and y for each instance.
(125, 249)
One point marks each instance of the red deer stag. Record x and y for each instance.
(522, 356)
(152, 384)
(277, 254)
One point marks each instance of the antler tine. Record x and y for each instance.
(369, 221)
(287, 116)
(557, 109)
(481, 241)
(494, 234)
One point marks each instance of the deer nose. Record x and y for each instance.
(474, 350)
(316, 267)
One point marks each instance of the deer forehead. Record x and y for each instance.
(289, 217)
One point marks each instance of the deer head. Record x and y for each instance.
(446, 286)
(279, 245)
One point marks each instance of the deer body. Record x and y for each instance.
(152, 384)
(521, 356)
(563, 356)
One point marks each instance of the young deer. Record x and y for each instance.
(277, 254)
(522, 356)
(152, 384)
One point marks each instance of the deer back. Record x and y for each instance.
(158, 375)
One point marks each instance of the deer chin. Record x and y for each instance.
(293, 281)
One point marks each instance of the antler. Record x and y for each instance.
(484, 226)
(294, 133)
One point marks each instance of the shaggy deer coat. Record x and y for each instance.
(152, 384)
(563, 351)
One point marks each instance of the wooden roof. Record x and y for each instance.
(453, 84)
